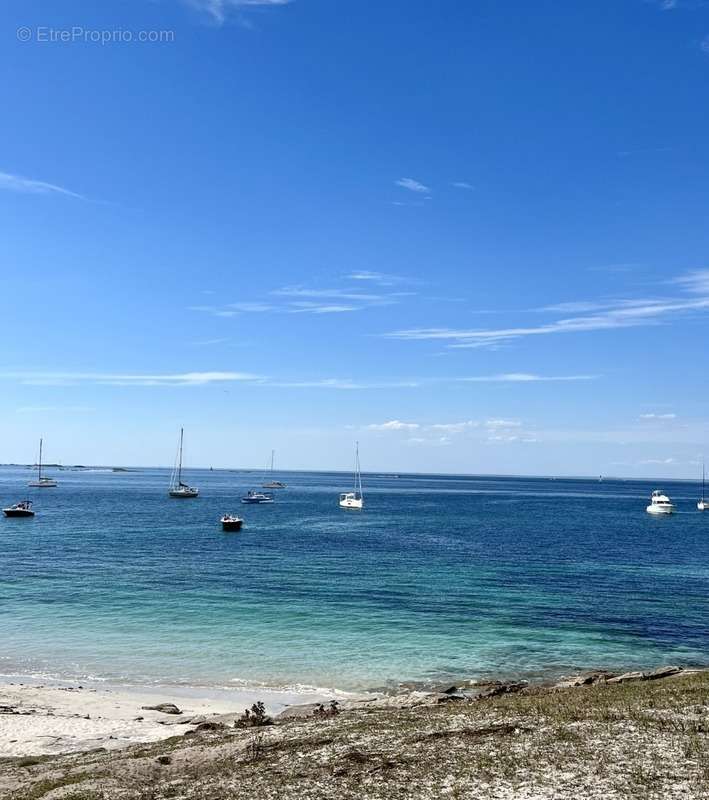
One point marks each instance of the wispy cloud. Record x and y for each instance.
(462, 185)
(394, 425)
(620, 314)
(16, 183)
(219, 10)
(128, 379)
(658, 416)
(412, 185)
(525, 377)
(379, 278)
(343, 383)
(305, 307)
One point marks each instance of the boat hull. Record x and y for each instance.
(17, 512)
(251, 502)
(42, 484)
(352, 505)
(232, 524)
(660, 512)
(181, 494)
(702, 505)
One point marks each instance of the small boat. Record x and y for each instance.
(231, 523)
(257, 497)
(42, 482)
(354, 500)
(272, 484)
(178, 488)
(21, 509)
(660, 503)
(703, 505)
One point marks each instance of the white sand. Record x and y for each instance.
(40, 719)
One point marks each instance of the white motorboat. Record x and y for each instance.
(178, 488)
(255, 498)
(42, 482)
(21, 509)
(660, 503)
(354, 500)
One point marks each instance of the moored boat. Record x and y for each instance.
(273, 484)
(230, 522)
(354, 500)
(21, 509)
(702, 504)
(42, 482)
(254, 497)
(178, 488)
(660, 503)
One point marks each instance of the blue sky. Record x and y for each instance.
(472, 235)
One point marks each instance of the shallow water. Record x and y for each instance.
(440, 577)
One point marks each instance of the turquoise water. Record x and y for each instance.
(440, 577)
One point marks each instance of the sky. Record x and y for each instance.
(471, 235)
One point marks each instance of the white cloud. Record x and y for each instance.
(128, 379)
(304, 307)
(462, 185)
(455, 427)
(659, 461)
(380, 278)
(623, 314)
(342, 383)
(412, 185)
(658, 416)
(16, 183)
(502, 423)
(525, 377)
(218, 10)
(394, 425)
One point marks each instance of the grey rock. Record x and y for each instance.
(662, 672)
(303, 711)
(164, 760)
(163, 708)
(627, 676)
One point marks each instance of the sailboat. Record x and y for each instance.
(42, 482)
(703, 505)
(354, 500)
(272, 484)
(178, 488)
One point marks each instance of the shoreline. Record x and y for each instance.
(53, 717)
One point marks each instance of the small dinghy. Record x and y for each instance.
(231, 522)
(21, 509)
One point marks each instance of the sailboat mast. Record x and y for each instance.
(179, 465)
(273, 455)
(39, 466)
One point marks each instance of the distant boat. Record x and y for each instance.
(660, 503)
(42, 482)
(178, 488)
(703, 505)
(257, 497)
(231, 522)
(354, 500)
(273, 484)
(21, 509)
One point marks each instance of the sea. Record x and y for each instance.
(440, 578)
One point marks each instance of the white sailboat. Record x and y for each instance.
(354, 500)
(273, 484)
(703, 505)
(178, 488)
(42, 482)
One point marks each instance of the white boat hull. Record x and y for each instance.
(184, 493)
(660, 510)
(703, 505)
(353, 505)
(49, 484)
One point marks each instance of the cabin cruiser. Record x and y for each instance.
(230, 522)
(21, 509)
(660, 503)
(257, 497)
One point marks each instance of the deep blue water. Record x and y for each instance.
(440, 577)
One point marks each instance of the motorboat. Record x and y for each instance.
(178, 488)
(254, 497)
(231, 522)
(21, 509)
(42, 482)
(354, 500)
(660, 503)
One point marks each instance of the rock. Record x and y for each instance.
(497, 690)
(303, 711)
(163, 708)
(662, 672)
(584, 679)
(164, 760)
(210, 726)
(627, 676)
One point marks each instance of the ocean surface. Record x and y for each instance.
(441, 577)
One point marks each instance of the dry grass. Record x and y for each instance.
(642, 741)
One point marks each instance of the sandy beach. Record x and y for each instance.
(44, 719)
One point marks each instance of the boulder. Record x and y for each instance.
(163, 708)
(303, 711)
(497, 690)
(627, 676)
(662, 672)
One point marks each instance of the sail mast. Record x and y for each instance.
(179, 466)
(39, 466)
(273, 454)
